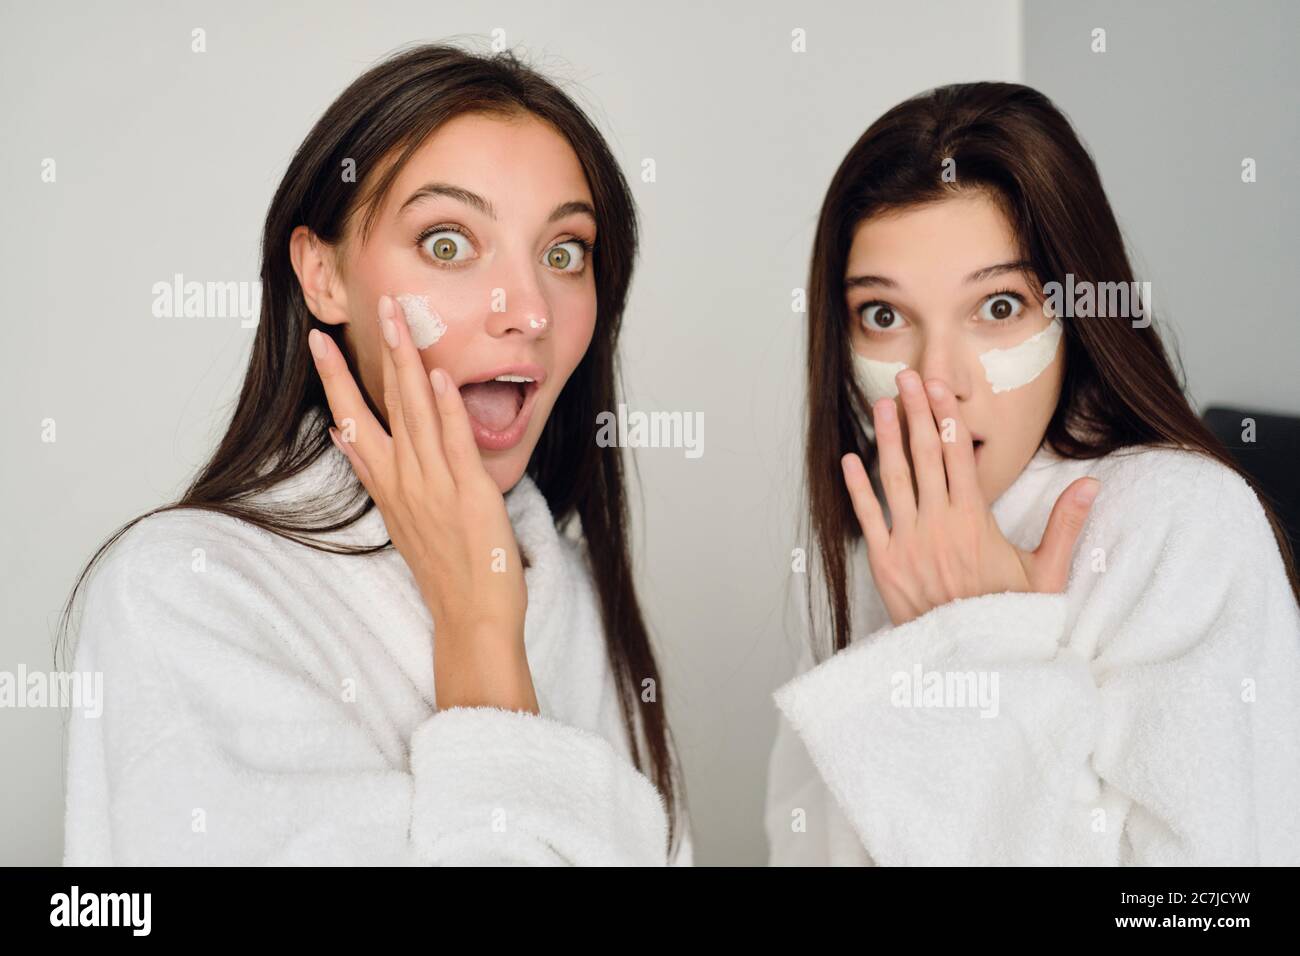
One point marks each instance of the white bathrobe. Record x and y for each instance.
(1150, 714)
(266, 703)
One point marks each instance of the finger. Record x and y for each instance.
(958, 449)
(419, 416)
(927, 452)
(1051, 561)
(458, 444)
(359, 466)
(895, 475)
(408, 462)
(360, 429)
(865, 504)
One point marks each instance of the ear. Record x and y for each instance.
(317, 269)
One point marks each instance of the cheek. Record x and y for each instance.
(453, 340)
(573, 334)
(1030, 405)
(1014, 368)
(364, 342)
(1022, 415)
(443, 321)
(424, 321)
(877, 379)
(572, 307)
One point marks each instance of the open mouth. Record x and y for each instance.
(500, 407)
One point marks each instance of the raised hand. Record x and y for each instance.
(445, 515)
(943, 542)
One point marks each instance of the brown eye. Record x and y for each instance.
(1000, 307)
(878, 317)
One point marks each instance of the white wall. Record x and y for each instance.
(166, 161)
(1184, 92)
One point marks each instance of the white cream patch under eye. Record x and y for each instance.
(425, 324)
(1019, 365)
(1004, 369)
(877, 378)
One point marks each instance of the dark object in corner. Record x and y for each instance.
(1272, 459)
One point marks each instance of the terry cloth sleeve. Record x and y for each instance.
(216, 747)
(803, 823)
(500, 786)
(1157, 727)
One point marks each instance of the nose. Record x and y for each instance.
(519, 305)
(944, 357)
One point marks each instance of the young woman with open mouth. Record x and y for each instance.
(1073, 634)
(386, 642)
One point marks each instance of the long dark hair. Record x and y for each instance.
(1119, 387)
(389, 112)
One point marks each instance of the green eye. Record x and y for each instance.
(567, 256)
(447, 245)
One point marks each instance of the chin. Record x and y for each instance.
(506, 470)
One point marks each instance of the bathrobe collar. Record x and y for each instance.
(553, 577)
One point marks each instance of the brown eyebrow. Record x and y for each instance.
(979, 275)
(473, 199)
(571, 207)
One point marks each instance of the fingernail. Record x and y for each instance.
(439, 381)
(935, 389)
(1086, 493)
(390, 332)
(385, 307)
(316, 342)
(907, 383)
(884, 410)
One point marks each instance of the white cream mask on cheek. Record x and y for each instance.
(876, 379)
(425, 324)
(1004, 369)
(1019, 365)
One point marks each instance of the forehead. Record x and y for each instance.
(518, 163)
(939, 242)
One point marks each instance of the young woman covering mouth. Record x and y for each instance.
(1078, 644)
